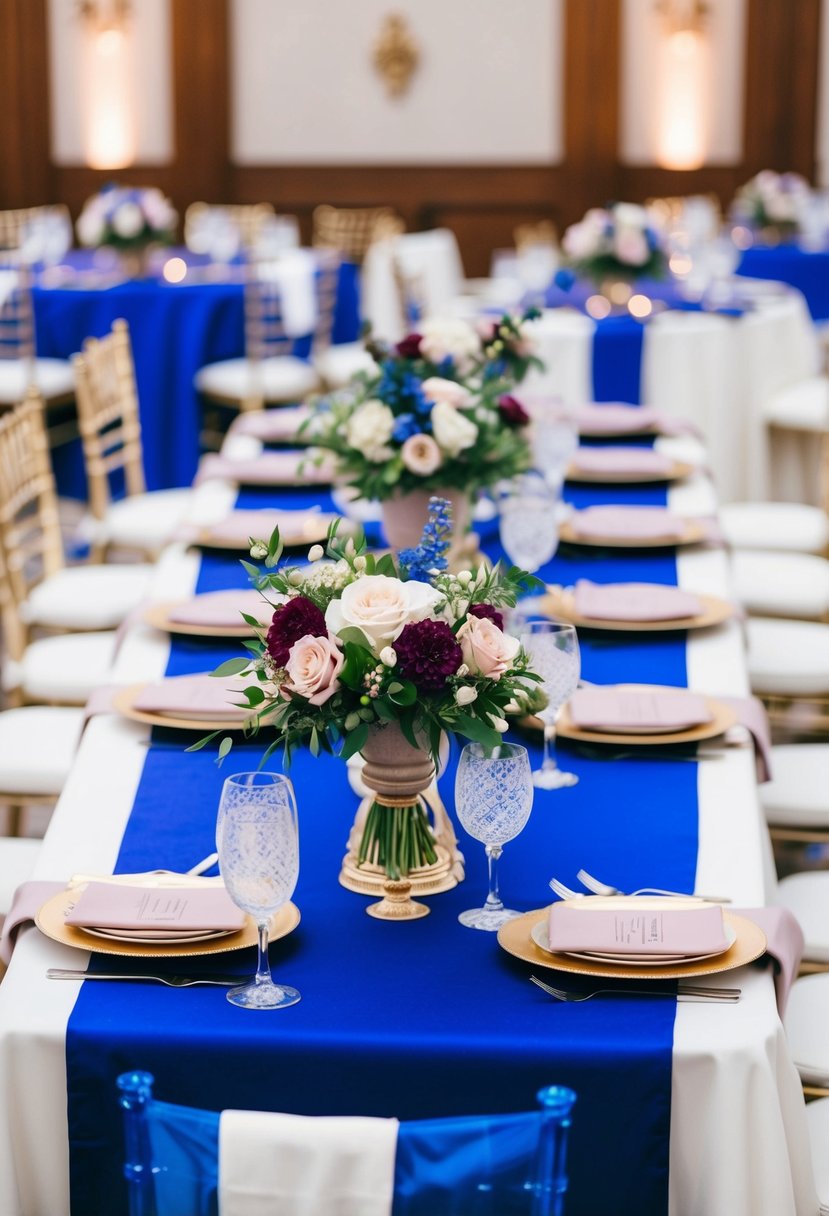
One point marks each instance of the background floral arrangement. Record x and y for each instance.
(622, 240)
(438, 414)
(126, 217)
(359, 641)
(772, 200)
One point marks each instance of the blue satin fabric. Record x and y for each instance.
(175, 330)
(805, 269)
(423, 1018)
(469, 1166)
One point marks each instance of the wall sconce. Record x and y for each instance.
(683, 69)
(108, 84)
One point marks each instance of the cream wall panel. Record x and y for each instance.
(487, 89)
(143, 83)
(644, 76)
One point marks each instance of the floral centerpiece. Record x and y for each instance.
(773, 202)
(368, 654)
(127, 218)
(437, 416)
(621, 241)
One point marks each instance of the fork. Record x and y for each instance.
(221, 980)
(603, 888)
(686, 993)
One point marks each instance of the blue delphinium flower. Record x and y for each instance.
(430, 554)
(404, 426)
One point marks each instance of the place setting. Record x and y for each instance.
(189, 702)
(279, 468)
(631, 527)
(617, 420)
(634, 607)
(611, 465)
(215, 614)
(236, 531)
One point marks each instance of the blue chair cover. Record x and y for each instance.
(498, 1165)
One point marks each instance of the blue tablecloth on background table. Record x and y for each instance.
(422, 1018)
(788, 262)
(175, 330)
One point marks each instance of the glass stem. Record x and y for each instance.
(494, 902)
(549, 761)
(263, 966)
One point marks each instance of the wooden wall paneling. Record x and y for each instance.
(591, 109)
(25, 176)
(201, 71)
(782, 49)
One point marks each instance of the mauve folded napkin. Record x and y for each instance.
(621, 462)
(201, 697)
(288, 468)
(628, 523)
(222, 609)
(188, 909)
(751, 713)
(615, 418)
(636, 925)
(271, 426)
(634, 602)
(784, 945)
(295, 527)
(628, 709)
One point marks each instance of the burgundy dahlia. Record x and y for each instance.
(427, 654)
(486, 612)
(409, 347)
(512, 411)
(297, 619)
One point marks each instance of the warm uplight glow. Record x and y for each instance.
(597, 307)
(682, 114)
(619, 292)
(175, 270)
(640, 306)
(109, 118)
(680, 264)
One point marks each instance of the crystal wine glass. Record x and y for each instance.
(553, 650)
(258, 843)
(493, 798)
(529, 528)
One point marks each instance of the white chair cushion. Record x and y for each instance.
(52, 378)
(797, 794)
(37, 747)
(807, 898)
(17, 862)
(144, 521)
(775, 525)
(781, 584)
(804, 405)
(87, 597)
(790, 658)
(338, 364)
(65, 669)
(817, 1121)
(807, 1017)
(283, 378)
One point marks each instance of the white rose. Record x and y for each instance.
(452, 430)
(421, 455)
(630, 215)
(128, 220)
(630, 247)
(466, 694)
(381, 606)
(369, 430)
(90, 228)
(388, 656)
(449, 338)
(438, 389)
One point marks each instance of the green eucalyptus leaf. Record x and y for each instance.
(232, 667)
(354, 741)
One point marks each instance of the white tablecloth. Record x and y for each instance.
(738, 1137)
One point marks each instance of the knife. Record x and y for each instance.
(222, 979)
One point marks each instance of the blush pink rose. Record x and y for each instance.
(454, 394)
(487, 650)
(313, 669)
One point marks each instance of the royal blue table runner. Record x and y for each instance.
(420, 1019)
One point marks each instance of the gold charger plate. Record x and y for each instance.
(561, 604)
(51, 921)
(123, 703)
(158, 615)
(679, 470)
(722, 717)
(515, 938)
(692, 535)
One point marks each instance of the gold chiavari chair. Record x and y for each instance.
(108, 419)
(247, 218)
(351, 230)
(13, 224)
(20, 367)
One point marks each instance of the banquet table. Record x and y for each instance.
(806, 269)
(175, 329)
(713, 368)
(689, 1109)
